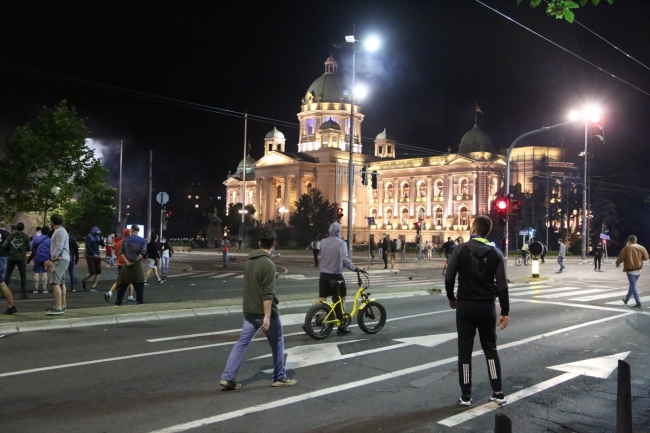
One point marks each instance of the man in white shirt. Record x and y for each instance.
(58, 264)
(560, 256)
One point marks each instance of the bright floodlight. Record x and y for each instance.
(349, 39)
(372, 43)
(574, 115)
(590, 113)
(360, 91)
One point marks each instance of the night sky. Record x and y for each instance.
(437, 59)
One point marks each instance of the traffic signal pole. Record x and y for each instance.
(512, 146)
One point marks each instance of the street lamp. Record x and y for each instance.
(282, 211)
(370, 44)
(588, 114)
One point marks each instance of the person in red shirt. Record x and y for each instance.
(120, 262)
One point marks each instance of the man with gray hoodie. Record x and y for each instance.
(93, 259)
(334, 255)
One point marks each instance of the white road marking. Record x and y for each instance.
(591, 307)
(602, 296)
(240, 276)
(641, 298)
(571, 293)
(204, 275)
(600, 368)
(527, 288)
(344, 387)
(224, 275)
(539, 292)
(182, 275)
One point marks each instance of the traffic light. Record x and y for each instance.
(515, 207)
(168, 214)
(331, 214)
(364, 175)
(374, 179)
(606, 229)
(339, 213)
(417, 226)
(501, 205)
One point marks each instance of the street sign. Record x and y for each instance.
(604, 236)
(162, 198)
(523, 232)
(371, 221)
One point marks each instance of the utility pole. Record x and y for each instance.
(351, 162)
(119, 199)
(150, 192)
(242, 228)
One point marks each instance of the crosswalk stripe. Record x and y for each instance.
(538, 292)
(522, 289)
(641, 298)
(239, 276)
(603, 296)
(572, 293)
(182, 275)
(205, 275)
(224, 275)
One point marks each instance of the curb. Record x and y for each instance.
(79, 322)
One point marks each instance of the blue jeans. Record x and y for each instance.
(276, 340)
(164, 263)
(225, 258)
(73, 278)
(632, 290)
(560, 261)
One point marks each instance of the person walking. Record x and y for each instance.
(110, 249)
(598, 256)
(17, 243)
(166, 251)
(393, 253)
(225, 247)
(544, 251)
(632, 257)
(133, 249)
(560, 255)
(399, 246)
(373, 248)
(331, 282)
(120, 263)
(58, 263)
(402, 250)
(478, 265)
(380, 247)
(239, 241)
(93, 258)
(260, 312)
(4, 256)
(153, 255)
(429, 247)
(315, 246)
(40, 254)
(446, 249)
(385, 248)
(74, 260)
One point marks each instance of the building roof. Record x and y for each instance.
(274, 134)
(383, 135)
(327, 87)
(475, 140)
(249, 161)
(300, 156)
(330, 124)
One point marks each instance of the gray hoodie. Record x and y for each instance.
(334, 253)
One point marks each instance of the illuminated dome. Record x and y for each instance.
(475, 140)
(249, 161)
(330, 124)
(383, 135)
(274, 134)
(327, 87)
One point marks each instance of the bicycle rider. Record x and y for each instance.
(334, 255)
(524, 253)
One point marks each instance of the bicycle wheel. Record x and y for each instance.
(372, 318)
(518, 261)
(314, 326)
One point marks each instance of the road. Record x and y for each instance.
(163, 376)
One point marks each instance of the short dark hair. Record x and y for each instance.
(20, 227)
(483, 225)
(632, 239)
(56, 219)
(45, 231)
(154, 237)
(135, 228)
(267, 238)
(38, 228)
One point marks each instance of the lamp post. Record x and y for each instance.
(283, 210)
(588, 114)
(371, 45)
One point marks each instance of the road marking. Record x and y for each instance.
(531, 288)
(592, 307)
(183, 275)
(344, 387)
(224, 275)
(600, 368)
(240, 276)
(572, 293)
(539, 292)
(642, 299)
(603, 296)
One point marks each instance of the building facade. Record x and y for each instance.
(444, 192)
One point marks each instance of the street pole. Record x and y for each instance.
(150, 192)
(351, 162)
(119, 199)
(514, 143)
(243, 197)
(584, 198)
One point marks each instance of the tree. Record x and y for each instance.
(233, 219)
(93, 205)
(310, 217)
(563, 8)
(47, 162)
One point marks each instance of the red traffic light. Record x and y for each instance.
(502, 204)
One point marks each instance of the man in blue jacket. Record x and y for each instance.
(93, 259)
(41, 252)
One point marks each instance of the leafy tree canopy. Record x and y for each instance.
(310, 217)
(563, 8)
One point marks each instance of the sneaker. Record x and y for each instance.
(146, 284)
(73, 290)
(46, 291)
(107, 297)
(130, 299)
(65, 309)
(83, 285)
(54, 312)
(230, 384)
(94, 290)
(499, 398)
(10, 310)
(23, 296)
(624, 301)
(466, 400)
(161, 281)
(35, 291)
(285, 382)
(344, 331)
(637, 306)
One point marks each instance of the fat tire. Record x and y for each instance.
(310, 326)
(375, 309)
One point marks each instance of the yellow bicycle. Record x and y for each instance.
(321, 318)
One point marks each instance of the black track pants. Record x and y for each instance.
(471, 316)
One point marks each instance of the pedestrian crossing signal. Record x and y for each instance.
(339, 213)
(374, 179)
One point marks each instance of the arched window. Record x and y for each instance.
(437, 216)
(373, 213)
(309, 188)
(463, 186)
(420, 213)
(405, 216)
(494, 186)
(463, 216)
(389, 190)
(438, 187)
(422, 189)
(404, 190)
(279, 192)
(389, 213)
(373, 194)
(251, 196)
(233, 197)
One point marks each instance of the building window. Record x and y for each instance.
(196, 198)
(347, 126)
(438, 188)
(463, 187)
(405, 216)
(279, 192)
(196, 206)
(463, 217)
(404, 190)
(373, 213)
(309, 187)
(437, 216)
(189, 196)
(389, 213)
(422, 189)
(421, 213)
(389, 190)
(310, 125)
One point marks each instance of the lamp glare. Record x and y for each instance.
(372, 43)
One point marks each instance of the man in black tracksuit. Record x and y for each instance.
(478, 264)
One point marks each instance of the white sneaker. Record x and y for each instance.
(46, 291)
(35, 291)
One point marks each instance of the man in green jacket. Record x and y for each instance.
(260, 312)
(18, 245)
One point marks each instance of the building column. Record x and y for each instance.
(475, 195)
(299, 181)
(380, 198)
(270, 198)
(286, 198)
(450, 194)
(429, 194)
(258, 198)
(412, 197)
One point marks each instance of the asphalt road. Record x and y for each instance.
(161, 376)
